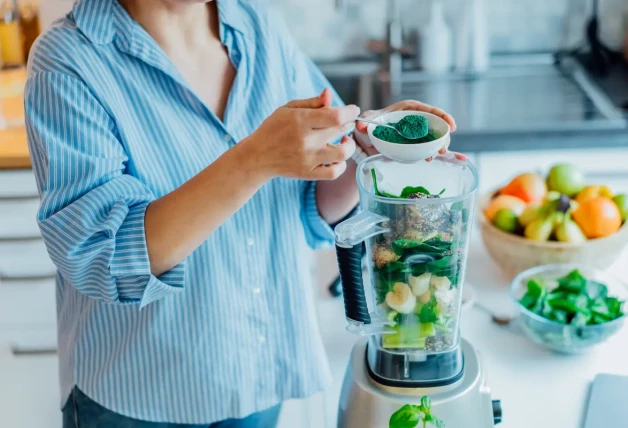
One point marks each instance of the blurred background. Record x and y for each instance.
(531, 84)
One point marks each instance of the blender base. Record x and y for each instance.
(466, 403)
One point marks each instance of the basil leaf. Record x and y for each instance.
(426, 402)
(406, 417)
(614, 307)
(393, 267)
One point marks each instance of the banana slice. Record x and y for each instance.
(420, 284)
(401, 298)
(440, 282)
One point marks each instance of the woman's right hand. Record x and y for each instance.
(294, 141)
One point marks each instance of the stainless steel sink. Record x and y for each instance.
(512, 97)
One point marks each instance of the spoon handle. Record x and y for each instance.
(361, 119)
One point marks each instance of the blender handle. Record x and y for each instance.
(350, 267)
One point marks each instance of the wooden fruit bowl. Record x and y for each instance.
(514, 253)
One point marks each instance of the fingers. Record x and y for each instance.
(370, 114)
(324, 99)
(330, 117)
(328, 172)
(337, 153)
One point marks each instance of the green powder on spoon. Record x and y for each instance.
(414, 129)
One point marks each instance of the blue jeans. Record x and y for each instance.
(82, 412)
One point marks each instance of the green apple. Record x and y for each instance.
(566, 179)
(506, 220)
(622, 203)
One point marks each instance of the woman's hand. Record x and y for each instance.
(362, 138)
(294, 141)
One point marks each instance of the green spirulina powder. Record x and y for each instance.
(414, 127)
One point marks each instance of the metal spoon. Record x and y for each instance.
(497, 319)
(361, 119)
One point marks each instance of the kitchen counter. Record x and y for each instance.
(13, 144)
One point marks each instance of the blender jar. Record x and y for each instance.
(415, 222)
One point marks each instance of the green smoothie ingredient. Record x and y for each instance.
(418, 268)
(415, 416)
(414, 129)
(572, 300)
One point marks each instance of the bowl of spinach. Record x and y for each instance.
(569, 308)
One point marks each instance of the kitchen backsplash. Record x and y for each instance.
(326, 32)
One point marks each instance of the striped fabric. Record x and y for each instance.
(112, 125)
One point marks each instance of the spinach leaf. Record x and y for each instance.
(393, 267)
(407, 416)
(428, 312)
(528, 300)
(600, 308)
(442, 191)
(409, 190)
(569, 305)
(580, 319)
(595, 289)
(573, 282)
(614, 307)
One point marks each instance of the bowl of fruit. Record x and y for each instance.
(536, 220)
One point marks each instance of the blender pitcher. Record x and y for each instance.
(415, 220)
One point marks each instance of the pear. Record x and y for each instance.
(541, 228)
(569, 231)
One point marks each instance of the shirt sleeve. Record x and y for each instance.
(92, 211)
(309, 82)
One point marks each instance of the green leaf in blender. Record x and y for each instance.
(410, 190)
(428, 312)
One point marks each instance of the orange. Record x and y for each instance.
(502, 202)
(528, 187)
(593, 191)
(598, 217)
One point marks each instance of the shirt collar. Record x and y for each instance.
(95, 18)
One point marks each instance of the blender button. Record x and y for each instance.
(250, 242)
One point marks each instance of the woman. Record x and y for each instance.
(183, 159)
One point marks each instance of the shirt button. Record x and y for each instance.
(261, 339)
(257, 290)
(250, 242)
(227, 138)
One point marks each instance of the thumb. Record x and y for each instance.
(323, 100)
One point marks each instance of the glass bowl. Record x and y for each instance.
(566, 338)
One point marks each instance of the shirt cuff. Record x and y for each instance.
(130, 264)
(319, 233)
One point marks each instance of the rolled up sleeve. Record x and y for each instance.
(309, 82)
(92, 210)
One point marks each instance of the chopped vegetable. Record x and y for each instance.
(574, 300)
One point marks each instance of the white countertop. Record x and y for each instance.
(534, 384)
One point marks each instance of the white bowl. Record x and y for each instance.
(410, 152)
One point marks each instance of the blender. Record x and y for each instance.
(415, 221)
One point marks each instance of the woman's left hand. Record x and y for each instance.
(362, 138)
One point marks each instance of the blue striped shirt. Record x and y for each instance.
(112, 125)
